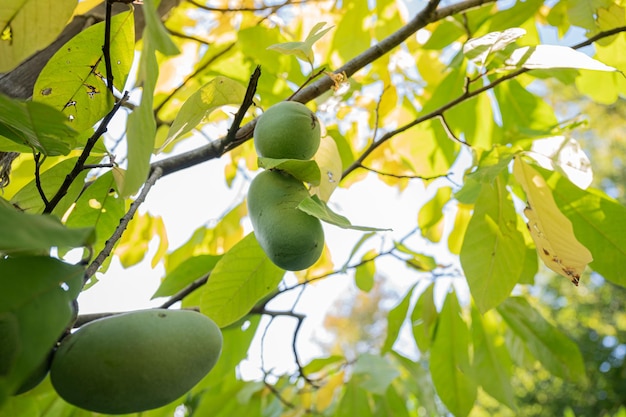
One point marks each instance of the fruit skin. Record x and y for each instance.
(36, 376)
(292, 239)
(287, 130)
(135, 361)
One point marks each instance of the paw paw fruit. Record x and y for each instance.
(291, 238)
(135, 361)
(287, 130)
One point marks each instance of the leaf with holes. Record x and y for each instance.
(74, 79)
(552, 232)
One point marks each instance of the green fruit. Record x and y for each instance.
(36, 376)
(292, 239)
(135, 361)
(287, 130)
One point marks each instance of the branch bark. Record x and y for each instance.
(216, 148)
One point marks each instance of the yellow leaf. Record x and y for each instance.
(552, 232)
(329, 161)
(326, 393)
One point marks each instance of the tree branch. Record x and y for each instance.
(216, 149)
(80, 163)
(117, 234)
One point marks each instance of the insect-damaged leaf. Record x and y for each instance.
(552, 232)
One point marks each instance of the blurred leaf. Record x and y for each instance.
(155, 30)
(17, 19)
(356, 248)
(303, 170)
(36, 125)
(185, 273)
(374, 373)
(395, 320)
(317, 208)
(364, 273)
(218, 92)
(493, 250)
(318, 364)
(239, 280)
(329, 162)
(449, 360)
(33, 288)
(552, 232)
(302, 50)
(461, 221)
(73, 80)
(556, 352)
(354, 401)
(390, 404)
(430, 216)
(424, 319)
(133, 246)
(30, 233)
(492, 362)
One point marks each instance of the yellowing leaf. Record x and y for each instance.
(552, 232)
(329, 161)
(302, 50)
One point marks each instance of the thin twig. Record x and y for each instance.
(186, 291)
(80, 163)
(248, 100)
(38, 162)
(106, 47)
(410, 177)
(117, 234)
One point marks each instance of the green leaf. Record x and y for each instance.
(29, 199)
(317, 208)
(493, 162)
(318, 364)
(424, 319)
(390, 404)
(155, 30)
(141, 126)
(354, 401)
(524, 114)
(185, 273)
(554, 56)
(73, 80)
(302, 50)
(492, 363)
(239, 280)
(218, 92)
(33, 288)
(556, 352)
(17, 20)
(36, 125)
(599, 223)
(374, 373)
(98, 207)
(420, 384)
(430, 216)
(395, 320)
(32, 233)
(449, 360)
(304, 170)
(493, 250)
(355, 249)
(364, 273)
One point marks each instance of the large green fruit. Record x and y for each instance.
(135, 361)
(292, 239)
(287, 130)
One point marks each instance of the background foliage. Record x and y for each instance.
(480, 115)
